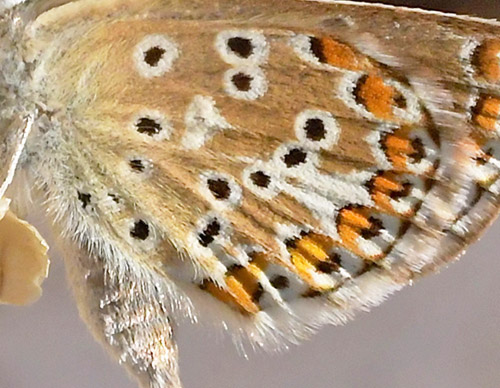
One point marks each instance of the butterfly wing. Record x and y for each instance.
(278, 170)
(135, 330)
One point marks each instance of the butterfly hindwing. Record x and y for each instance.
(281, 169)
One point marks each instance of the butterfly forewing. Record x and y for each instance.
(283, 168)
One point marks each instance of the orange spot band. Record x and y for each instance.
(385, 184)
(338, 54)
(355, 219)
(487, 60)
(240, 294)
(377, 96)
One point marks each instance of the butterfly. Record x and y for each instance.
(273, 172)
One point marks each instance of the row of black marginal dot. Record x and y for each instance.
(222, 192)
(153, 56)
(139, 229)
(246, 51)
(315, 130)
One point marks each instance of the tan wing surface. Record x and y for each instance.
(283, 164)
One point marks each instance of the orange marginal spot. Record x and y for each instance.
(348, 234)
(354, 219)
(487, 60)
(255, 270)
(397, 160)
(383, 201)
(305, 269)
(311, 249)
(240, 294)
(242, 285)
(222, 295)
(384, 204)
(259, 260)
(382, 190)
(376, 96)
(386, 185)
(490, 106)
(399, 144)
(258, 264)
(303, 266)
(246, 278)
(485, 122)
(487, 112)
(352, 223)
(325, 242)
(383, 186)
(397, 151)
(338, 54)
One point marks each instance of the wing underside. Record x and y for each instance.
(283, 169)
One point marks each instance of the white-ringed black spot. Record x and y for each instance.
(148, 126)
(280, 282)
(115, 198)
(140, 230)
(242, 81)
(246, 82)
(242, 47)
(207, 236)
(315, 129)
(295, 157)
(153, 56)
(137, 165)
(260, 179)
(84, 198)
(219, 188)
